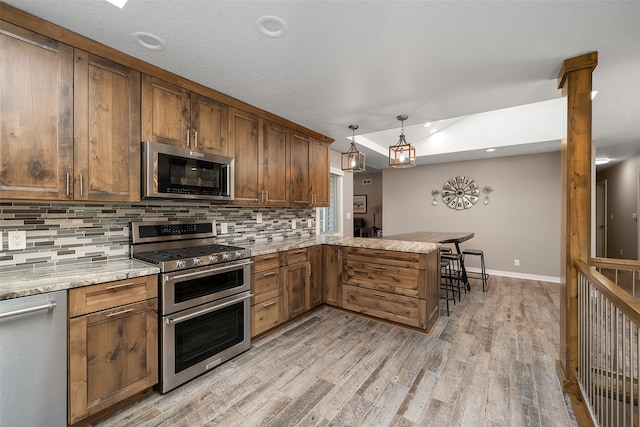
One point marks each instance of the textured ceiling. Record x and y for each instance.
(365, 62)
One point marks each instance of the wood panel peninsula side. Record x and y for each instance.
(392, 280)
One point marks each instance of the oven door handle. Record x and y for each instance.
(207, 310)
(211, 271)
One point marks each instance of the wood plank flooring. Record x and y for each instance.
(490, 363)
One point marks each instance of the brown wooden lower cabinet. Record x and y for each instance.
(113, 344)
(266, 286)
(333, 274)
(403, 287)
(317, 276)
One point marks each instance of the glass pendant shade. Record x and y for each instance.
(402, 155)
(354, 160)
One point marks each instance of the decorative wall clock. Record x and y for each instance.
(460, 192)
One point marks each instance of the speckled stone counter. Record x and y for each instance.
(21, 283)
(359, 242)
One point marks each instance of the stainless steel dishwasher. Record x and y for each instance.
(33, 360)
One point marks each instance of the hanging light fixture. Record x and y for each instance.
(402, 155)
(353, 160)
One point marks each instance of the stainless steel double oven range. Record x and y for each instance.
(204, 291)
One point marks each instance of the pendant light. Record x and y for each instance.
(353, 160)
(402, 155)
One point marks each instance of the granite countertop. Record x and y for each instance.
(359, 242)
(22, 283)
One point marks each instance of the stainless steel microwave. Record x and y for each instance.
(180, 173)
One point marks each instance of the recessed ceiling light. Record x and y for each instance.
(119, 3)
(272, 26)
(432, 131)
(427, 124)
(149, 41)
(602, 161)
(490, 150)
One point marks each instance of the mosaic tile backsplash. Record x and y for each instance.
(60, 233)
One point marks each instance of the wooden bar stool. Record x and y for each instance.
(483, 274)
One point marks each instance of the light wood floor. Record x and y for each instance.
(491, 363)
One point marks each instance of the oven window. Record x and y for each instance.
(204, 336)
(195, 288)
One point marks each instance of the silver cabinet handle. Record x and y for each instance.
(271, 273)
(122, 285)
(339, 254)
(120, 312)
(67, 183)
(188, 137)
(195, 137)
(378, 267)
(267, 200)
(48, 306)
(268, 257)
(81, 184)
(268, 304)
(377, 295)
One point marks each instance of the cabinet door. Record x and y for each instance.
(165, 112)
(209, 125)
(319, 173)
(316, 279)
(244, 139)
(106, 130)
(333, 275)
(273, 164)
(296, 289)
(299, 170)
(36, 140)
(107, 365)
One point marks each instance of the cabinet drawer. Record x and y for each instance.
(265, 315)
(397, 308)
(265, 262)
(94, 298)
(295, 256)
(265, 285)
(387, 278)
(379, 256)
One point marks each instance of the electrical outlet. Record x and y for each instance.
(309, 223)
(17, 240)
(259, 218)
(348, 215)
(293, 224)
(224, 229)
(516, 263)
(0, 240)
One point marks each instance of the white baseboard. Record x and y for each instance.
(516, 275)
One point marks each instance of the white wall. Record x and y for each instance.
(373, 191)
(347, 195)
(522, 220)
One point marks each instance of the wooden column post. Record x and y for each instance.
(575, 80)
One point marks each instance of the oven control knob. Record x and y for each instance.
(226, 257)
(238, 254)
(213, 258)
(181, 264)
(197, 261)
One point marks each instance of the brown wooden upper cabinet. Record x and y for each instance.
(309, 171)
(260, 149)
(36, 144)
(106, 130)
(71, 123)
(174, 115)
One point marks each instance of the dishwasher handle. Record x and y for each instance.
(48, 306)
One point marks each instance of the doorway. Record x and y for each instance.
(601, 219)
